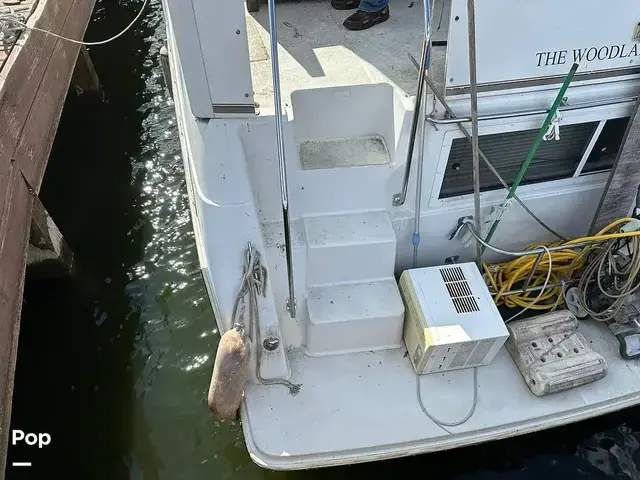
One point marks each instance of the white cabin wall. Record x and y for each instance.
(222, 23)
(567, 205)
(541, 97)
(184, 40)
(570, 213)
(403, 107)
(217, 80)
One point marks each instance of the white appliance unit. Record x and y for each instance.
(451, 321)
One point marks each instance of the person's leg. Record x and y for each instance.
(371, 6)
(370, 13)
(345, 4)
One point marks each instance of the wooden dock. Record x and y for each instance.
(35, 73)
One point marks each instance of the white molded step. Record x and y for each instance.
(352, 247)
(354, 317)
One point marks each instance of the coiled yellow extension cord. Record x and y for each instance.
(503, 277)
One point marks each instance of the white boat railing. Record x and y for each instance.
(399, 198)
(282, 164)
(528, 113)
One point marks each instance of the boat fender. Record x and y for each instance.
(229, 374)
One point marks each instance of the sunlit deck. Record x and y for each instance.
(317, 51)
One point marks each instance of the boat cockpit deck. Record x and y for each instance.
(317, 51)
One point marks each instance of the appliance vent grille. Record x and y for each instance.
(481, 350)
(459, 290)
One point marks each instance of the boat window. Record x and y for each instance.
(606, 148)
(555, 159)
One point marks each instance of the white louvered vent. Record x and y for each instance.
(459, 290)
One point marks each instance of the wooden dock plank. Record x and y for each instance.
(36, 142)
(6, 200)
(9, 331)
(12, 267)
(34, 82)
(21, 77)
(23, 71)
(6, 167)
(15, 234)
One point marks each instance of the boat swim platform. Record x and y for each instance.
(35, 73)
(351, 417)
(316, 50)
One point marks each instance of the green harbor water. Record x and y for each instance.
(115, 362)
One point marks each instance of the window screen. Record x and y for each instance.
(554, 159)
(606, 149)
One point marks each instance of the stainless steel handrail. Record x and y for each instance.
(282, 164)
(400, 198)
(473, 83)
(500, 116)
(421, 111)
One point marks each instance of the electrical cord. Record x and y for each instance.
(443, 424)
(562, 264)
(533, 304)
(553, 269)
(598, 237)
(12, 18)
(624, 281)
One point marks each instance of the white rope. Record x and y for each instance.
(14, 19)
(254, 283)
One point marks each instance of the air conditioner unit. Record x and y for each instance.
(450, 321)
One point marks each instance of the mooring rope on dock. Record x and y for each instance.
(9, 21)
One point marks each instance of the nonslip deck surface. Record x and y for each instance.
(363, 407)
(349, 152)
(317, 51)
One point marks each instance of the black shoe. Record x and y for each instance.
(345, 4)
(363, 20)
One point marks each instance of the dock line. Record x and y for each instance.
(13, 19)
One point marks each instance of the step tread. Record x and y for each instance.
(349, 229)
(348, 152)
(354, 301)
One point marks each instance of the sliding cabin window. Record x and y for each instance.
(554, 160)
(605, 150)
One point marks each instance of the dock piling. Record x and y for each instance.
(49, 255)
(85, 78)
